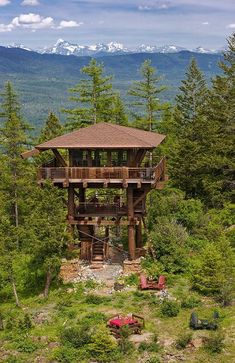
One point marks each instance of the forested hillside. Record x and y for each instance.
(43, 80)
(188, 230)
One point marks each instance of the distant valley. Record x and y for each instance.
(42, 80)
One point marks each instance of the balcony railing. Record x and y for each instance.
(76, 174)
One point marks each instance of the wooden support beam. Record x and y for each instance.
(139, 184)
(102, 223)
(141, 197)
(131, 227)
(59, 158)
(71, 205)
(139, 237)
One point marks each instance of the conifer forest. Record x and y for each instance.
(54, 305)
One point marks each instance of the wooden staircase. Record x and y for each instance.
(97, 251)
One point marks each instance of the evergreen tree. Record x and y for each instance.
(13, 172)
(190, 134)
(146, 93)
(48, 234)
(219, 183)
(10, 103)
(119, 114)
(51, 129)
(93, 96)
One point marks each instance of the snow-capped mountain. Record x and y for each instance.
(20, 46)
(154, 49)
(204, 50)
(63, 47)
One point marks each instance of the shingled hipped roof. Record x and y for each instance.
(105, 136)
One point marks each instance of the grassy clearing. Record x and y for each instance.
(68, 306)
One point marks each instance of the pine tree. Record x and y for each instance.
(146, 93)
(48, 235)
(51, 129)
(190, 133)
(93, 96)
(221, 112)
(119, 114)
(10, 103)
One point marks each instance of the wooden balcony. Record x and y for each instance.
(103, 175)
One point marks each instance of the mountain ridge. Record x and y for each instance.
(64, 47)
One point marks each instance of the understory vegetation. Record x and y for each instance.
(189, 229)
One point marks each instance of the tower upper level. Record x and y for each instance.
(102, 153)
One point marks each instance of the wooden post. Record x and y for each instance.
(139, 238)
(131, 227)
(71, 205)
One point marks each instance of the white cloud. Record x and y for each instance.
(4, 2)
(6, 28)
(231, 26)
(30, 3)
(158, 5)
(33, 21)
(69, 24)
(205, 23)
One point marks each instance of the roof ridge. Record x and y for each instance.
(112, 125)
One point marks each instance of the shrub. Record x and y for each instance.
(213, 271)
(96, 299)
(153, 359)
(76, 336)
(168, 245)
(66, 355)
(215, 343)
(149, 347)
(169, 308)
(132, 280)
(103, 346)
(26, 346)
(124, 343)
(183, 340)
(190, 302)
(25, 323)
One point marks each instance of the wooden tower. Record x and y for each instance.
(104, 156)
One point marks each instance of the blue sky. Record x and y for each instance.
(188, 23)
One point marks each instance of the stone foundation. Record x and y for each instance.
(132, 267)
(70, 269)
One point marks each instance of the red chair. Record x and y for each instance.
(147, 284)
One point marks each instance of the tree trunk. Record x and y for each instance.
(15, 291)
(48, 283)
(1, 322)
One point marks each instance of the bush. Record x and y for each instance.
(132, 280)
(25, 323)
(103, 347)
(215, 343)
(190, 302)
(66, 355)
(96, 299)
(124, 343)
(153, 359)
(168, 245)
(169, 308)
(26, 346)
(76, 336)
(183, 340)
(149, 347)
